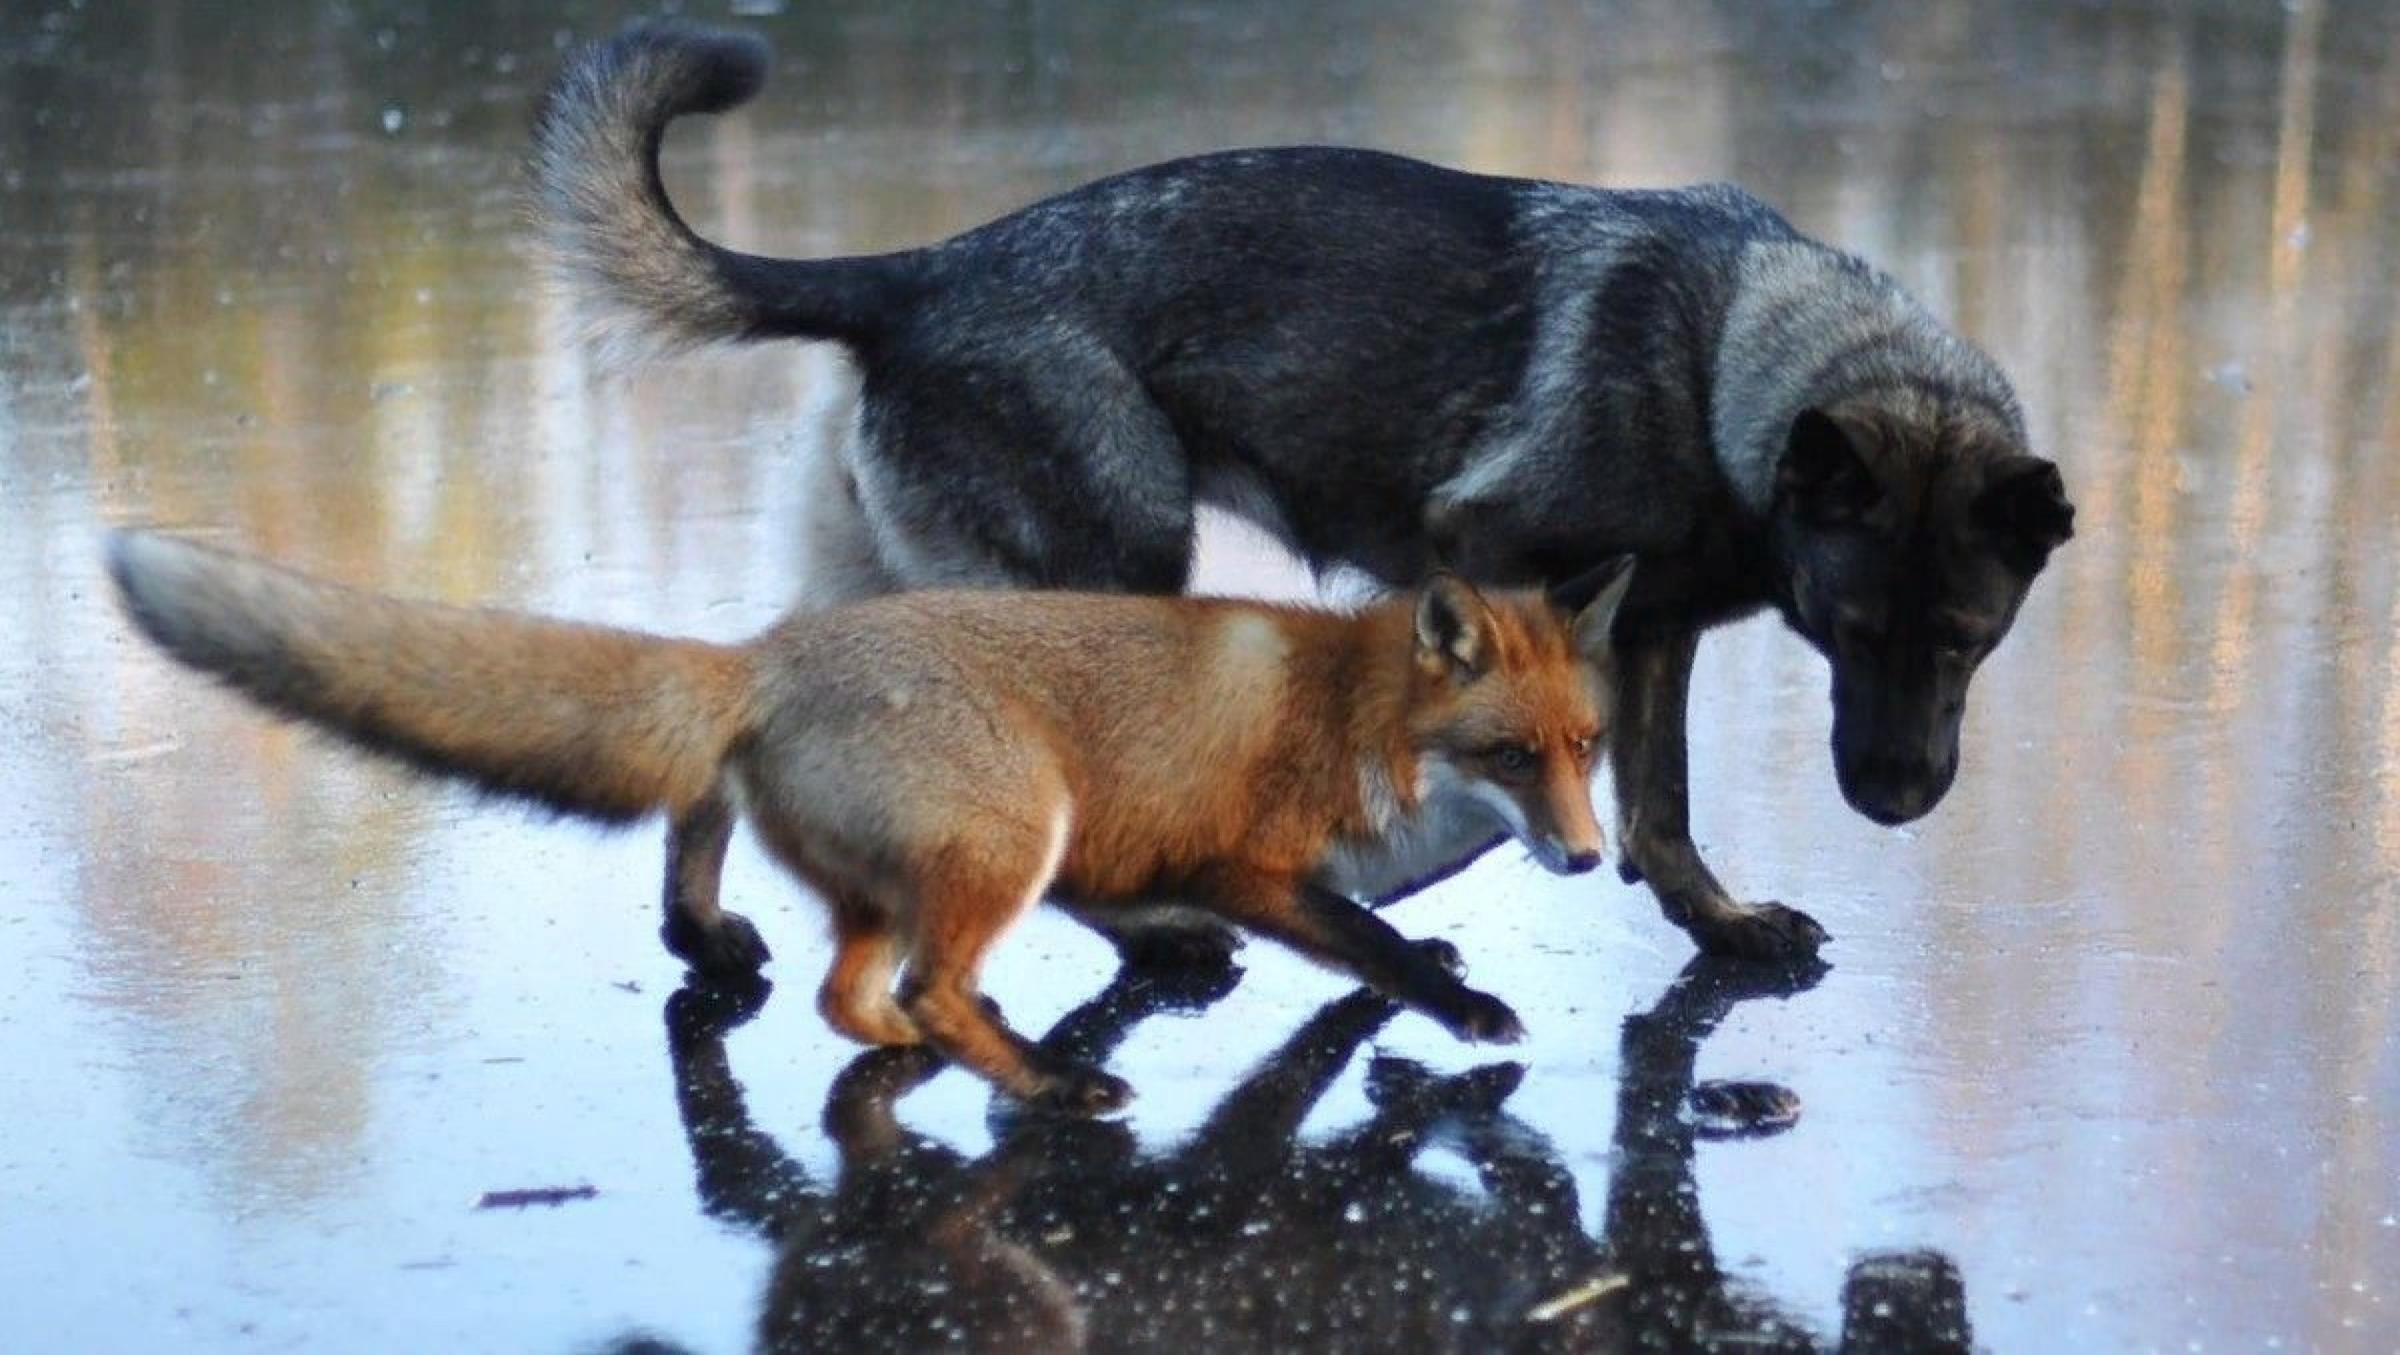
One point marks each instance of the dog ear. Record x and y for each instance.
(1445, 554)
(1452, 622)
(1822, 472)
(1591, 599)
(2023, 504)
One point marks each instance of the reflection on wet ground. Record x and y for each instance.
(2107, 1054)
(1067, 1234)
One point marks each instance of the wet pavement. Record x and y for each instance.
(2108, 1052)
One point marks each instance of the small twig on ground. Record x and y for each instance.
(519, 1199)
(1598, 1287)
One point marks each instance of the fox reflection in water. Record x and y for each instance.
(1067, 1236)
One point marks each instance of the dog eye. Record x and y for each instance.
(1958, 636)
(1956, 648)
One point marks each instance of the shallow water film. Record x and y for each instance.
(299, 1052)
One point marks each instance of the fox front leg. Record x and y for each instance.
(1646, 749)
(1337, 932)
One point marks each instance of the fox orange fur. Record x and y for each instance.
(933, 764)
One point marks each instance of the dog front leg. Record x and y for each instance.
(1654, 676)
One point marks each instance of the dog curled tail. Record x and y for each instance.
(591, 722)
(648, 281)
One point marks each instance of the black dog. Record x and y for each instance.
(1387, 364)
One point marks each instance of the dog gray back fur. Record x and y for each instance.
(1750, 323)
(1811, 328)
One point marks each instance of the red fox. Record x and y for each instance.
(933, 764)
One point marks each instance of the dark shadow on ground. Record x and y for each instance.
(1066, 1235)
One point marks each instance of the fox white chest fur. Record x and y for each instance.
(1448, 829)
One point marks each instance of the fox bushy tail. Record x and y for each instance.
(648, 281)
(598, 723)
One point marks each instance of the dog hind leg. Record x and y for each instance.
(841, 561)
(1055, 470)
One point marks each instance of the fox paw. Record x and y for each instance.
(1393, 1082)
(1178, 988)
(1739, 1110)
(732, 949)
(1080, 1091)
(1442, 953)
(707, 1011)
(1480, 1018)
(1762, 931)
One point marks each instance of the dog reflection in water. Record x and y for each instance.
(1066, 1235)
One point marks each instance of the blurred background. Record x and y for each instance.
(2113, 1031)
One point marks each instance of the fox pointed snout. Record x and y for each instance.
(1561, 857)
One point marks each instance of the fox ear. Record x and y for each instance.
(2024, 505)
(1823, 474)
(1591, 600)
(1451, 620)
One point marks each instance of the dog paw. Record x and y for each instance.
(1762, 931)
(732, 949)
(1480, 1018)
(1442, 953)
(1080, 1091)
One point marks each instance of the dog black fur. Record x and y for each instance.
(1387, 364)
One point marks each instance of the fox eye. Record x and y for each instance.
(1583, 745)
(1513, 757)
